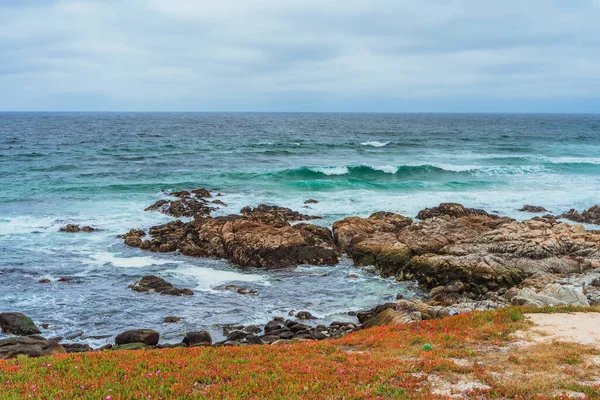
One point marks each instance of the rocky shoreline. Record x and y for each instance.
(467, 259)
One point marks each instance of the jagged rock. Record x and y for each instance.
(203, 193)
(154, 284)
(200, 338)
(30, 346)
(15, 323)
(145, 336)
(452, 210)
(182, 194)
(532, 209)
(553, 294)
(72, 228)
(356, 229)
(184, 207)
(389, 317)
(171, 319)
(589, 216)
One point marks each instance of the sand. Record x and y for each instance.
(578, 327)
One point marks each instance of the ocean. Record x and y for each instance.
(104, 169)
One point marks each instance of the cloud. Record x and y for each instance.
(300, 55)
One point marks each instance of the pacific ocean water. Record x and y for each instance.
(104, 169)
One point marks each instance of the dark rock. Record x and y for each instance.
(304, 315)
(352, 276)
(44, 281)
(274, 215)
(105, 347)
(202, 193)
(64, 279)
(171, 319)
(15, 323)
(310, 201)
(171, 345)
(303, 335)
(185, 207)
(253, 339)
(272, 326)
(200, 338)
(399, 296)
(77, 348)
(299, 327)
(286, 335)
(73, 335)
(181, 194)
(268, 339)
(252, 329)
(30, 346)
(145, 336)
(319, 335)
(589, 216)
(532, 209)
(289, 323)
(154, 284)
(237, 335)
(278, 332)
(219, 202)
(72, 228)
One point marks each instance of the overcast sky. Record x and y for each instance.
(288, 55)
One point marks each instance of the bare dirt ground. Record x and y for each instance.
(577, 327)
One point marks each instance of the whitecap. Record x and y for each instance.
(389, 169)
(374, 143)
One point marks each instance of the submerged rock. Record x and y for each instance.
(72, 228)
(15, 323)
(29, 346)
(154, 284)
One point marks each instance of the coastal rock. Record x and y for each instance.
(145, 336)
(311, 201)
(389, 317)
(589, 216)
(200, 338)
(29, 346)
(452, 210)
(203, 193)
(304, 315)
(72, 228)
(154, 284)
(356, 229)
(242, 290)
(532, 209)
(553, 294)
(219, 203)
(15, 323)
(171, 319)
(76, 348)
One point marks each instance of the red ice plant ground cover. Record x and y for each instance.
(382, 362)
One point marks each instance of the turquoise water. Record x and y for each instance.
(104, 169)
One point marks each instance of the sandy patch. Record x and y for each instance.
(577, 327)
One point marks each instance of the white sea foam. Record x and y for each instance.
(24, 224)
(208, 278)
(374, 143)
(103, 258)
(390, 169)
(332, 170)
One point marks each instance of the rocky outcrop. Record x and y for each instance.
(589, 216)
(461, 253)
(15, 323)
(154, 284)
(242, 241)
(71, 228)
(145, 336)
(532, 209)
(29, 346)
(183, 207)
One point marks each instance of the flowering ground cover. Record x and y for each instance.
(474, 354)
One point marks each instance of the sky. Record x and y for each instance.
(310, 55)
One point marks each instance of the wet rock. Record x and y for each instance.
(351, 276)
(44, 280)
(200, 338)
(354, 229)
(64, 279)
(29, 346)
(368, 314)
(304, 315)
(171, 319)
(242, 290)
(589, 216)
(145, 336)
(272, 326)
(182, 194)
(452, 210)
(154, 284)
(228, 328)
(219, 202)
(253, 339)
(252, 329)
(133, 238)
(76, 347)
(72, 228)
(311, 201)
(15, 323)
(203, 193)
(532, 209)
(237, 335)
(73, 335)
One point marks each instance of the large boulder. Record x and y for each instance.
(145, 336)
(15, 323)
(30, 346)
(200, 338)
(154, 284)
(274, 215)
(352, 229)
(452, 210)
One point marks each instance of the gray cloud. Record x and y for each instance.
(462, 55)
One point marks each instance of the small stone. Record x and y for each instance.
(171, 319)
(44, 280)
(304, 315)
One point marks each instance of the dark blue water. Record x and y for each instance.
(104, 169)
